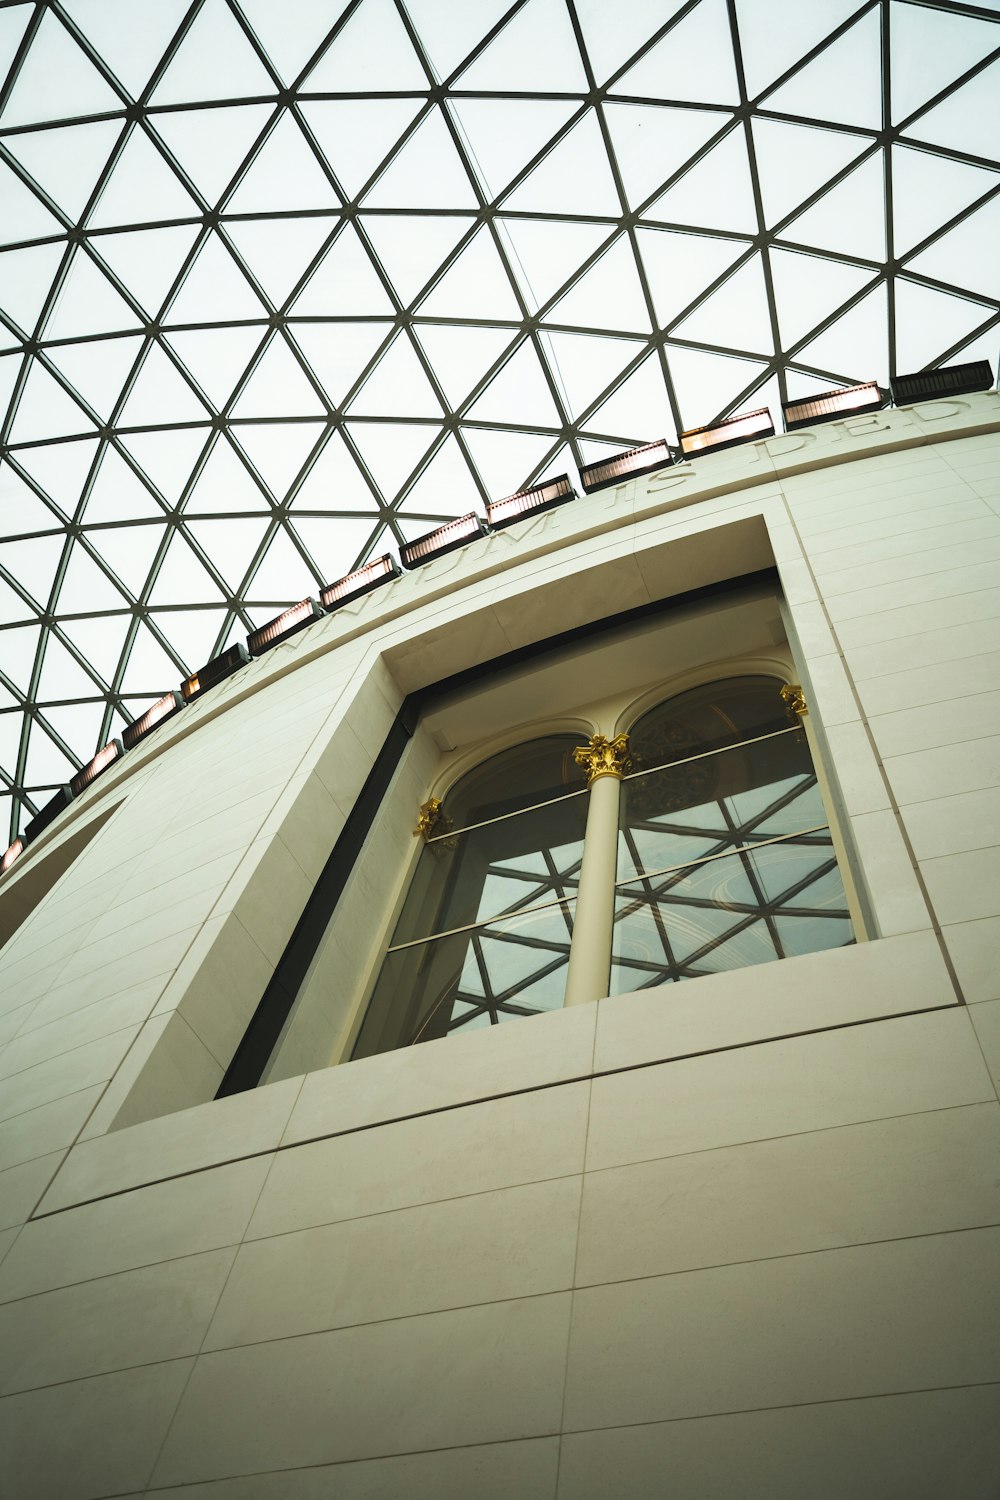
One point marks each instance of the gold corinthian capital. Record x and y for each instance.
(604, 757)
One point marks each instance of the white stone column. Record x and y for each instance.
(589, 975)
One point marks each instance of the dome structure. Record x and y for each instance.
(282, 287)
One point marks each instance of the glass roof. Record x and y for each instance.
(282, 286)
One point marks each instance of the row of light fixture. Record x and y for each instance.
(744, 427)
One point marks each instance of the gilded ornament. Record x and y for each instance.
(793, 696)
(604, 757)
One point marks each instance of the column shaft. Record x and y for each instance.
(589, 973)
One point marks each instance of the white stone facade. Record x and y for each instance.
(736, 1237)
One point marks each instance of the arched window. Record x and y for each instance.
(485, 928)
(699, 843)
(725, 856)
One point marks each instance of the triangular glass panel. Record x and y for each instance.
(87, 303)
(460, 355)
(800, 385)
(217, 357)
(794, 161)
(397, 387)
(149, 669)
(25, 217)
(345, 282)
(449, 33)
(194, 72)
(652, 142)
(224, 485)
(62, 675)
(693, 61)
(147, 261)
(503, 135)
(13, 24)
(160, 394)
(333, 544)
(411, 250)
(215, 289)
(97, 370)
(284, 576)
(278, 387)
(391, 450)
(56, 81)
(639, 411)
(60, 469)
(99, 641)
(66, 162)
(544, 253)
(11, 725)
(476, 286)
(356, 135)
(45, 410)
(192, 633)
(850, 218)
(129, 551)
(735, 316)
(506, 460)
(339, 353)
(446, 487)
(283, 175)
(79, 724)
(609, 295)
(680, 266)
(716, 194)
(427, 173)
(844, 83)
(278, 450)
(807, 289)
(290, 34)
(927, 190)
(118, 494)
(573, 179)
(212, 144)
(32, 564)
(930, 49)
(967, 118)
(966, 256)
(536, 52)
(371, 53)
(335, 483)
(230, 545)
(930, 323)
(166, 458)
(279, 250)
(775, 36)
(142, 188)
(983, 346)
(613, 34)
(20, 646)
(25, 281)
(182, 577)
(518, 395)
(585, 366)
(856, 348)
(21, 510)
(46, 764)
(130, 39)
(706, 384)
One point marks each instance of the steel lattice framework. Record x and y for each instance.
(281, 285)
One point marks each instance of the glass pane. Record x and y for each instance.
(715, 802)
(522, 861)
(455, 984)
(747, 908)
